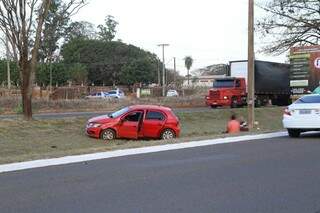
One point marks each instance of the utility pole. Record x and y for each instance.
(8, 63)
(159, 77)
(163, 70)
(250, 98)
(50, 68)
(174, 70)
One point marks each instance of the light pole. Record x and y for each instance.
(163, 69)
(250, 98)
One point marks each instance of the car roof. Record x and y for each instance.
(149, 107)
(311, 95)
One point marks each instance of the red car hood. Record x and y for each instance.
(101, 119)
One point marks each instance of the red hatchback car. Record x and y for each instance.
(138, 121)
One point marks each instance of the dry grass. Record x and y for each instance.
(13, 105)
(21, 140)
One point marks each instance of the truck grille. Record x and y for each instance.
(214, 94)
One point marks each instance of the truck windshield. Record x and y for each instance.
(223, 83)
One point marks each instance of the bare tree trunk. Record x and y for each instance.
(26, 88)
(28, 67)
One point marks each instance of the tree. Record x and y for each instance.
(138, 71)
(104, 60)
(78, 73)
(289, 23)
(188, 61)
(108, 31)
(80, 29)
(60, 73)
(22, 22)
(55, 25)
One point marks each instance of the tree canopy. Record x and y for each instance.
(289, 23)
(105, 60)
(108, 31)
(188, 61)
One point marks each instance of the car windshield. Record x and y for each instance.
(314, 99)
(118, 113)
(223, 83)
(112, 92)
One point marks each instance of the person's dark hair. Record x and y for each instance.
(233, 117)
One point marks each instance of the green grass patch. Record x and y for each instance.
(21, 140)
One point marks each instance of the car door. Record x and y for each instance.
(128, 127)
(153, 123)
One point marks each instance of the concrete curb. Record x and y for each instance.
(126, 152)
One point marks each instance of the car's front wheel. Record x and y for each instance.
(168, 134)
(294, 133)
(108, 134)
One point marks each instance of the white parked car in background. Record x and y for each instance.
(97, 95)
(172, 93)
(115, 94)
(303, 115)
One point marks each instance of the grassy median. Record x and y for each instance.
(21, 140)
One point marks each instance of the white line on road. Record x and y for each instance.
(118, 153)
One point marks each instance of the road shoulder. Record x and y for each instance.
(134, 151)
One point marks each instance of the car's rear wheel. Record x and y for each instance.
(108, 134)
(168, 134)
(294, 133)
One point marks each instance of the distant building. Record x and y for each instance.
(204, 77)
(215, 69)
(201, 81)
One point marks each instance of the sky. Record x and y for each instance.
(210, 31)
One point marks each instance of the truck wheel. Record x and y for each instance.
(294, 133)
(258, 103)
(234, 102)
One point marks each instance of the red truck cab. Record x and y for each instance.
(227, 91)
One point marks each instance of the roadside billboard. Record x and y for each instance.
(304, 69)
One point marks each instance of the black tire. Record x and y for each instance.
(167, 134)
(294, 133)
(214, 106)
(258, 103)
(234, 102)
(108, 134)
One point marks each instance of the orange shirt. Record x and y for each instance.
(233, 126)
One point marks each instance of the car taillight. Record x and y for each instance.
(286, 111)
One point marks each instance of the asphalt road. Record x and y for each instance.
(273, 175)
(92, 114)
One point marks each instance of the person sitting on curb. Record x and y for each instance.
(233, 125)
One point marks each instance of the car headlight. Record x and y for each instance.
(93, 125)
(225, 97)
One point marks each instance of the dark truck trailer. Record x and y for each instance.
(271, 80)
(271, 85)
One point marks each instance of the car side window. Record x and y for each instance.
(133, 117)
(154, 115)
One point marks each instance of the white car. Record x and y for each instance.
(303, 115)
(172, 93)
(96, 95)
(115, 94)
